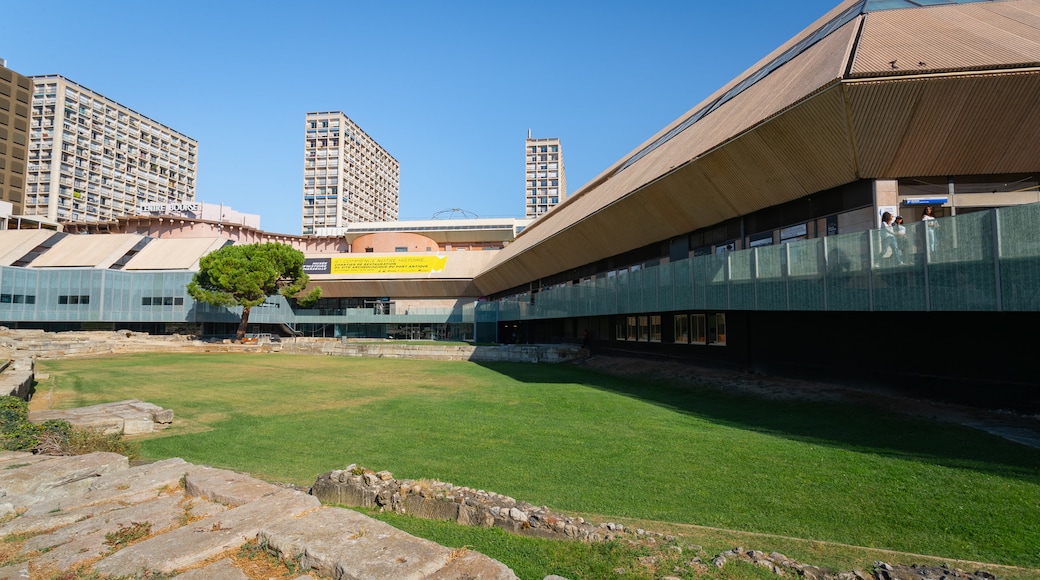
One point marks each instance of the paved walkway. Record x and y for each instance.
(82, 511)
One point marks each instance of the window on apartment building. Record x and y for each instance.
(655, 328)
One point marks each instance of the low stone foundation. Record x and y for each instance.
(526, 353)
(356, 487)
(130, 417)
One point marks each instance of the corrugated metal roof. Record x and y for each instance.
(944, 38)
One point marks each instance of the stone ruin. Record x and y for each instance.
(130, 417)
(356, 486)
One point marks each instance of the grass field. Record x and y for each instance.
(595, 445)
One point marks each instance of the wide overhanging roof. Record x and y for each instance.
(873, 90)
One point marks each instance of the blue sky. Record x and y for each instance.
(450, 89)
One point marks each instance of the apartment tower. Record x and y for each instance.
(92, 159)
(15, 92)
(546, 184)
(347, 176)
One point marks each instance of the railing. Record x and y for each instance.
(982, 261)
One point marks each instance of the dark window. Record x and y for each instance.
(178, 301)
(146, 301)
(5, 298)
(73, 299)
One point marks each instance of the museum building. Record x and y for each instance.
(747, 233)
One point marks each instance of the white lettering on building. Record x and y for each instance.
(171, 207)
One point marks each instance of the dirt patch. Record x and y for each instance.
(1014, 427)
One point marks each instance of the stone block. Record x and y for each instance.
(15, 572)
(466, 564)
(138, 426)
(219, 570)
(134, 485)
(333, 492)
(431, 508)
(189, 546)
(227, 487)
(345, 544)
(74, 473)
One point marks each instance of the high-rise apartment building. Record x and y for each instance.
(15, 92)
(92, 159)
(546, 184)
(347, 176)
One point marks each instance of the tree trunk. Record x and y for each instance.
(241, 334)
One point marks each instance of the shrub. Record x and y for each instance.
(69, 440)
(83, 441)
(54, 437)
(16, 432)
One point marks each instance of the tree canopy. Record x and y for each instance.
(245, 275)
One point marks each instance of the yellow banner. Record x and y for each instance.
(389, 265)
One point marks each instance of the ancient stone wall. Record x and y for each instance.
(49, 345)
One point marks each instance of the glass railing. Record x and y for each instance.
(981, 261)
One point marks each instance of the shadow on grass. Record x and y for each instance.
(846, 425)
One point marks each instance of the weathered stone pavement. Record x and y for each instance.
(72, 512)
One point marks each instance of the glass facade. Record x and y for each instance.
(985, 261)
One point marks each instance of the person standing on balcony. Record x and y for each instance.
(929, 227)
(900, 231)
(889, 247)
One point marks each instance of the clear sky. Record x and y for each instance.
(449, 88)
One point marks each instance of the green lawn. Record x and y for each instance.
(586, 443)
